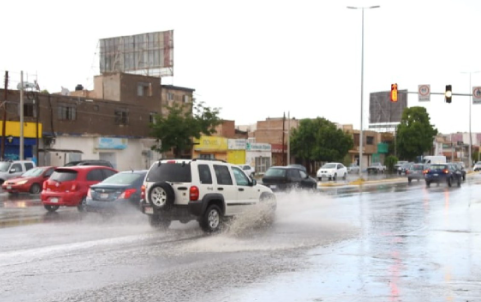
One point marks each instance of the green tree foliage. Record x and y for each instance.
(415, 134)
(184, 122)
(390, 161)
(320, 140)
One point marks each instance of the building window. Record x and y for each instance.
(67, 112)
(356, 139)
(370, 140)
(144, 89)
(262, 164)
(28, 110)
(170, 96)
(152, 117)
(121, 117)
(186, 98)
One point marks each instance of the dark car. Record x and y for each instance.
(90, 162)
(438, 173)
(285, 178)
(68, 186)
(415, 171)
(118, 193)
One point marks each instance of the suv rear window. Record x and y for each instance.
(63, 175)
(173, 172)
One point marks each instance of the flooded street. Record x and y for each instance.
(385, 243)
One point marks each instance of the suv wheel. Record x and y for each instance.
(51, 208)
(159, 222)
(161, 196)
(211, 219)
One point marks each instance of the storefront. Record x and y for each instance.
(236, 153)
(12, 139)
(210, 147)
(259, 156)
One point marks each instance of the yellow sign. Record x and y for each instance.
(211, 143)
(13, 129)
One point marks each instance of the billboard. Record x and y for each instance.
(149, 54)
(382, 110)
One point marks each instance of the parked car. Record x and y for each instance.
(460, 166)
(117, 193)
(415, 171)
(399, 164)
(332, 171)
(204, 190)
(477, 166)
(29, 182)
(404, 167)
(11, 169)
(376, 168)
(68, 186)
(284, 178)
(438, 173)
(353, 169)
(248, 169)
(90, 162)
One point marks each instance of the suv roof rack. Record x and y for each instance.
(211, 159)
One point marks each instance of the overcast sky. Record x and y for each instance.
(259, 59)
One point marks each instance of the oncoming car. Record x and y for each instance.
(332, 171)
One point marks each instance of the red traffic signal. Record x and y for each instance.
(394, 93)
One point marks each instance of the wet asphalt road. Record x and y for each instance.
(387, 243)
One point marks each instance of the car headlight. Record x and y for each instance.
(22, 182)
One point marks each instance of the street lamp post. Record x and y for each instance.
(362, 81)
(470, 161)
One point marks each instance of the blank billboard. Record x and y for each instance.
(382, 110)
(148, 54)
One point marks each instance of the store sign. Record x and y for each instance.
(210, 143)
(237, 144)
(112, 143)
(258, 147)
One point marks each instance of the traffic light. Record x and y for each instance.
(394, 93)
(448, 94)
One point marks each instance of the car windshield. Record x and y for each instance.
(123, 178)
(276, 172)
(173, 172)
(4, 166)
(329, 166)
(61, 175)
(438, 167)
(33, 172)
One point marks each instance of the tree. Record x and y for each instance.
(415, 134)
(390, 161)
(320, 140)
(183, 123)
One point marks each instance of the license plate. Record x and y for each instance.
(54, 200)
(273, 186)
(435, 174)
(9, 187)
(148, 210)
(104, 195)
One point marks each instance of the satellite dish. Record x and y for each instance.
(65, 91)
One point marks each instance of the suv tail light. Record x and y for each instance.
(127, 193)
(142, 192)
(44, 186)
(194, 193)
(445, 171)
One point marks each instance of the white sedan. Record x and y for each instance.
(332, 171)
(249, 170)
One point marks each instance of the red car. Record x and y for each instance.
(29, 182)
(68, 186)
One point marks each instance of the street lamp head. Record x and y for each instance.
(363, 7)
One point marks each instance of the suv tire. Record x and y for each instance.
(211, 220)
(161, 196)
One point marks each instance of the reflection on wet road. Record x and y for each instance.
(385, 243)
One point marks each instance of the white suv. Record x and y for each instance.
(202, 190)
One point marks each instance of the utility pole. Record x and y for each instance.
(21, 117)
(283, 139)
(4, 121)
(288, 137)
